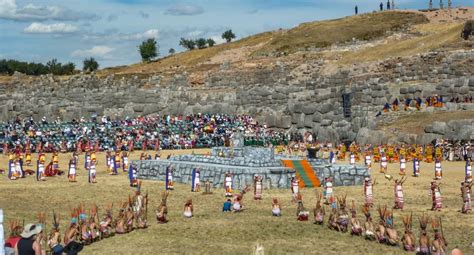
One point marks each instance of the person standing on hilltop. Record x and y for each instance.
(356, 9)
(393, 4)
(381, 6)
(388, 5)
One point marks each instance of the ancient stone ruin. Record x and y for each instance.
(244, 163)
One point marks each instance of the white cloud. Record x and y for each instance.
(195, 33)
(99, 51)
(57, 28)
(31, 12)
(218, 39)
(112, 35)
(181, 9)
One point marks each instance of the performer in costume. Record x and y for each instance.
(466, 190)
(87, 160)
(439, 244)
(132, 175)
(40, 168)
(12, 175)
(332, 157)
(468, 177)
(169, 178)
(328, 189)
(113, 161)
(228, 185)
(435, 196)
(368, 191)
(276, 210)
(383, 164)
(258, 187)
(188, 208)
(438, 170)
(398, 190)
(19, 168)
(72, 170)
(92, 172)
(118, 161)
(55, 161)
(196, 185)
(125, 161)
(28, 156)
(301, 213)
(352, 159)
(416, 167)
(295, 187)
(403, 165)
(368, 161)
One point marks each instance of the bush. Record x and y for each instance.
(201, 43)
(210, 42)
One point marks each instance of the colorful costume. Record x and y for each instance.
(125, 161)
(228, 185)
(92, 172)
(352, 160)
(40, 176)
(466, 190)
(435, 196)
(132, 176)
(295, 187)
(55, 162)
(368, 162)
(403, 165)
(468, 177)
(368, 192)
(72, 171)
(398, 190)
(258, 187)
(196, 185)
(383, 164)
(416, 167)
(438, 170)
(328, 189)
(169, 178)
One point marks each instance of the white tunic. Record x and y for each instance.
(72, 169)
(384, 162)
(352, 162)
(41, 168)
(228, 182)
(92, 170)
(328, 189)
(402, 164)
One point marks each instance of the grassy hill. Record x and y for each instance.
(319, 34)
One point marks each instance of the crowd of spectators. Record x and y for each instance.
(151, 132)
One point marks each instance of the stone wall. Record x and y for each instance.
(275, 94)
(274, 177)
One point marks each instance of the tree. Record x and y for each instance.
(187, 44)
(148, 49)
(171, 51)
(90, 64)
(228, 35)
(201, 43)
(210, 42)
(54, 66)
(68, 68)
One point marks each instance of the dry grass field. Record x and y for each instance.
(214, 232)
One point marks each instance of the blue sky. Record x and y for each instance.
(110, 30)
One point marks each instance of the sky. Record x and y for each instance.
(111, 30)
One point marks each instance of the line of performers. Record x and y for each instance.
(85, 229)
(392, 153)
(17, 164)
(343, 220)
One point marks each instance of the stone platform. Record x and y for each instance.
(244, 163)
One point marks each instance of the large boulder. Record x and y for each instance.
(437, 127)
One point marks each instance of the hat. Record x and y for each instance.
(73, 248)
(30, 229)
